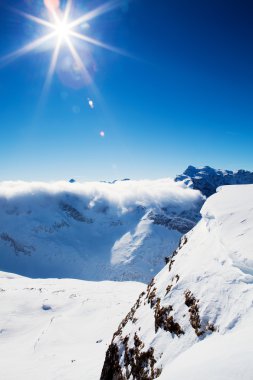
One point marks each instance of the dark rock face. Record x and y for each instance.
(138, 363)
(182, 222)
(129, 356)
(73, 213)
(207, 179)
(141, 362)
(112, 369)
(18, 247)
(164, 321)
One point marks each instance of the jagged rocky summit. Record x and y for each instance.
(207, 179)
(194, 321)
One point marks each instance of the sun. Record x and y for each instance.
(63, 31)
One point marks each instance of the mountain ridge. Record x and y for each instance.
(207, 179)
(203, 294)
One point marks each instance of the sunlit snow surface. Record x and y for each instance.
(58, 329)
(214, 264)
(93, 231)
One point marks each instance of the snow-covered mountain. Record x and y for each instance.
(93, 231)
(194, 321)
(58, 328)
(207, 179)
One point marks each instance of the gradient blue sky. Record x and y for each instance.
(186, 98)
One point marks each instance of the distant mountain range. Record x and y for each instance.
(207, 179)
(121, 230)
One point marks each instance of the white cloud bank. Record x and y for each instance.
(121, 194)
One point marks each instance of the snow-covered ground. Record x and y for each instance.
(195, 319)
(93, 231)
(58, 329)
(222, 357)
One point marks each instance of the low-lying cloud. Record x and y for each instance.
(121, 194)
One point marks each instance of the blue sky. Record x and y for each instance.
(186, 96)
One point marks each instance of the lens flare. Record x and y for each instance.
(91, 103)
(52, 4)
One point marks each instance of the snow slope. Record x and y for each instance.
(207, 179)
(58, 329)
(93, 231)
(195, 319)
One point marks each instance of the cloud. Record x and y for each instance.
(122, 195)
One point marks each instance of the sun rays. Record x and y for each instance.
(62, 30)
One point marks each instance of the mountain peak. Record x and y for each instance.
(207, 179)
